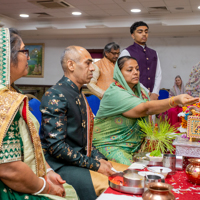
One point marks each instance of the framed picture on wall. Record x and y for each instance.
(36, 62)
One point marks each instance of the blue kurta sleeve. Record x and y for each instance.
(54, 131)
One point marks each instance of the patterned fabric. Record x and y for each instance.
(116, 136)
(4, 57)
(144, 96)
(64, 127)
(17, 125)
(12, 146)
(90, 125)
(193, 85)
(8, 194)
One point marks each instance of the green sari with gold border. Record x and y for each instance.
(19, 139)
(115, 136)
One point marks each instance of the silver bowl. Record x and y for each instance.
(131, 178)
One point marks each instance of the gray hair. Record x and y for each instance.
(109, 47)
(15, 44)
(70, 53)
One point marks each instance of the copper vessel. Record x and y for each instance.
(193, 170)
(159, 191)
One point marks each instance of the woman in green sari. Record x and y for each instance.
(24, 173)
(117, 134)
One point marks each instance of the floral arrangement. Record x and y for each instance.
(158, 137)
(184, 116)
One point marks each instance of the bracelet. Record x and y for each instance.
(173, 102)
(44, 185)
(49, 169)
(169, 103)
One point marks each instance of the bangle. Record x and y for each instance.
(44, 185)
(173, 102)
(169, 103)
(49, 187)
(49, 169)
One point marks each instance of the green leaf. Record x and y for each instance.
(156, 153)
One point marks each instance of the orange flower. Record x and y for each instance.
(184, 109)
(184, 122)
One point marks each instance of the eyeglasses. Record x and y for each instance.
(25, 51)
(115, 53)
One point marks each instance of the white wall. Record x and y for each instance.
(182, 53)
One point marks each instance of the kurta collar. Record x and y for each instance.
(140, 46)
(72, 84)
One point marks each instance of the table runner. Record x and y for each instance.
(183, 189)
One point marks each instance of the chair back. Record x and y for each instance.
(163, 94)
(94, 103)
(34, 105)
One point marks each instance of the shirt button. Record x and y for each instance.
(144, 49)
(147, 59)
(148, 78)
(148, 68)
(148, 88)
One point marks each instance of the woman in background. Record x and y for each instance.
(177, 89)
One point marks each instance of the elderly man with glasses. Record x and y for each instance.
(104, 68)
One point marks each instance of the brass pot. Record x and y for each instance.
(158, 191)
(193, 170)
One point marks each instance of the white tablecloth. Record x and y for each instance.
(117, 197)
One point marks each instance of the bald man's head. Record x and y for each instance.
(70, 53)
(77, 65)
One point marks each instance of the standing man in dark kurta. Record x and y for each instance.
(148, 61)
(66, 131)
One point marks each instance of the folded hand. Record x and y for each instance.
(56, 184)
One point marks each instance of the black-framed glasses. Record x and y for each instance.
(25, 51)
(115, 53)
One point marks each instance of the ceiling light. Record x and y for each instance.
(136, 10)
(198, 7)
(76, 13)
(24, 15)
(179, 8)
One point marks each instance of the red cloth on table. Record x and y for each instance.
(183, 189)
(173, 115)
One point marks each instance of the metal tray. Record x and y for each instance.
(129, 190)
(150, 163)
